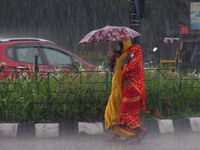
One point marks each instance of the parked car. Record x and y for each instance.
(21, 54)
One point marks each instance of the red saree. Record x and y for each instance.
(134, 93)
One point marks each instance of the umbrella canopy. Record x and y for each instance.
(109, 33)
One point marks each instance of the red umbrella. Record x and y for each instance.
(109, 33)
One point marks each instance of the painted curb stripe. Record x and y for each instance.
(195, 124)
(26, 130)
(166, 126)
(63, 129)
(8, 129)
(151, 125)
(69, 128)
(46, 130)
(182, 125)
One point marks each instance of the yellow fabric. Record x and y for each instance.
(114, 103)
(126, 45)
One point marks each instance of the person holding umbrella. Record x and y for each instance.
(133, 88)
(114, 103)
(123, 35)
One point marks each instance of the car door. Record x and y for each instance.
(26, 55)
(49, 58)
(56, 57)
(21, 57)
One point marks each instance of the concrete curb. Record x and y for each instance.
(8, 129)
(44, 130)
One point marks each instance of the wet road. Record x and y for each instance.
(178, 141)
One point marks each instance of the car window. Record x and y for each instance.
(55, 57)
(76, 59)
(26, 54)
(9, 53)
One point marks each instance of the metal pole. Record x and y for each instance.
(48, 92)
(18, 84)
(159, 98)
(107, 96)
(36, 65)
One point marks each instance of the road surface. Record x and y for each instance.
(152, 141)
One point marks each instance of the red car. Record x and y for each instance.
(21, 54)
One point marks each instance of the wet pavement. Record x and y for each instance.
(152, 141)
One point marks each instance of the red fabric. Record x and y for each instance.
(184, 30)
(134, 93)
(130, 92)
(129, 117)
(134, 72)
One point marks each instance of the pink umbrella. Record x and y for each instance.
(109, 33)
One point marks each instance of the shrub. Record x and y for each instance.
(82, 96)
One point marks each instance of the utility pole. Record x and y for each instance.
(134, 14)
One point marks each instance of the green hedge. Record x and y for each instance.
(176, 94)
(63, 97)
(83, 96)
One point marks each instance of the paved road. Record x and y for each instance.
(152, 141)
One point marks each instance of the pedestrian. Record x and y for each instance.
(114, 103)
(133, 88)
(179, 29)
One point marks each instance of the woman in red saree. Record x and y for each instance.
(133, 88)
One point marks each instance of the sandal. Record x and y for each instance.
(143, 135)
